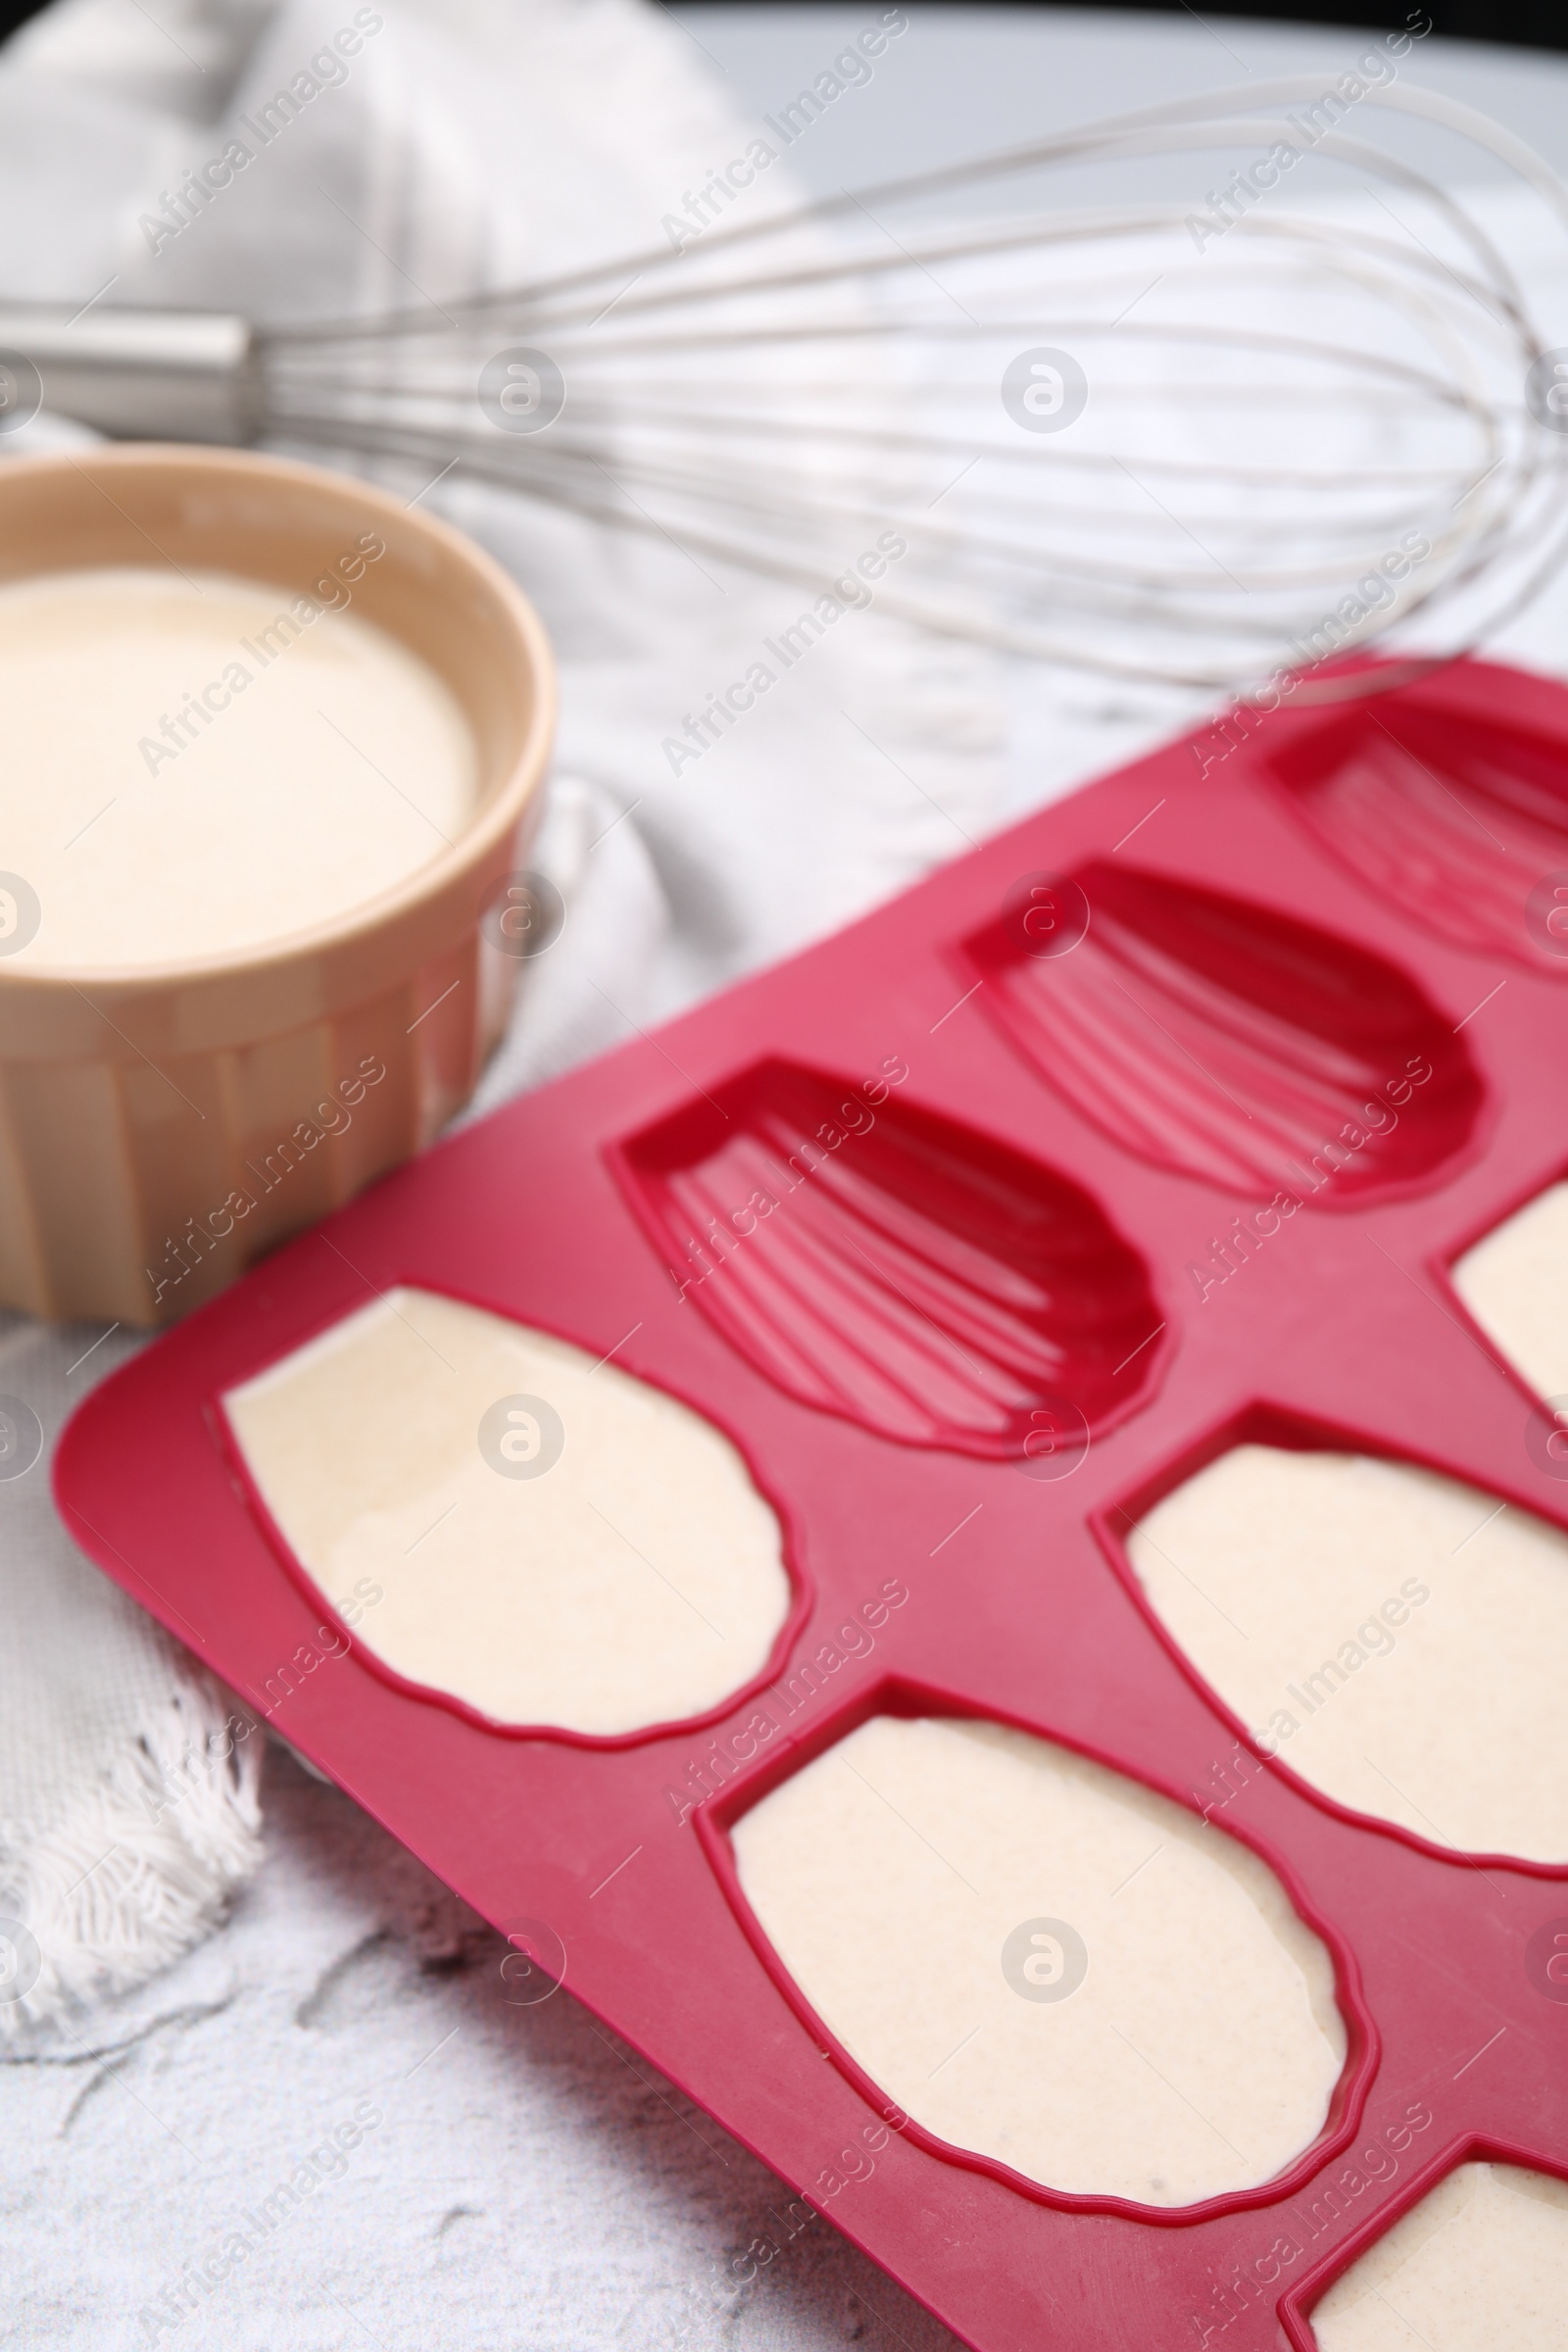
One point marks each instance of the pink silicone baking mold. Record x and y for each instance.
(1057, 1073)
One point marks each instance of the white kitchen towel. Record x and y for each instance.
(466, 144)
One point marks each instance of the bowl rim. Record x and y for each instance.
(492, 822)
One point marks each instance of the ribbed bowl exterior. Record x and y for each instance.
(161, 1128)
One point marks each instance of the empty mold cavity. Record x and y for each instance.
(1515, 1284)
(1483, 2260)
(1454, 822)
(1398, 1639)
(1226, 1040)
(891, 1266)
(1043, 1962)
(546, 1539)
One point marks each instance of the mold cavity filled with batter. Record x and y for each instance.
(1040, 1960)
(1396, 1637)
(542, 1536)
(1515, 1284)
(1481, 2260)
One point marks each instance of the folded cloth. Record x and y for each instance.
(453, 149)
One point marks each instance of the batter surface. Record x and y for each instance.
(550, 1539)
(1515, 1284)
(1481, 2261)
(1038, 1959)
(1398, 1639)
(198, 765)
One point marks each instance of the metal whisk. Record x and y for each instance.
(1187, 441)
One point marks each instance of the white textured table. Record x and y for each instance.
(527, 2184)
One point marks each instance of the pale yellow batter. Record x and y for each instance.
(1201, 2046)
(194, 765)
(1515, 1284)
(1398, 1639)
(1481, 2265)
(634, 1579)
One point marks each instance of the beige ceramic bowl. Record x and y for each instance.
(156, 1125)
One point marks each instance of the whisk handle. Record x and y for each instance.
(139, 375)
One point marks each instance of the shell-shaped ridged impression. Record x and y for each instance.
(1481, 2260)
(893, 1266)
(1226, 1040)
(1042, 1961)
(636, 1579)
(1396, 1637)
(1457, 824)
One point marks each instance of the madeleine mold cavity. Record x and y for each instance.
(1225, 1040)
(1043, 1962)
(507, 1522)
(891, 1266)
(1481, 2261)
(1515, 1284)
(1463, 826)
(1398, 1639)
